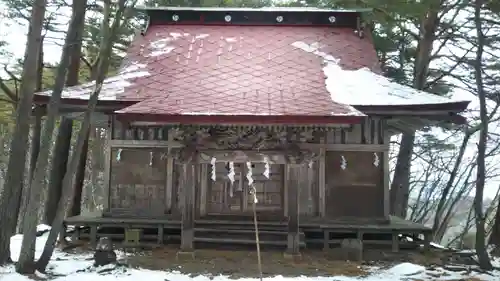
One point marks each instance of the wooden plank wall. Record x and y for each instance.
(343, 190)
(137, 182)
(354, 180)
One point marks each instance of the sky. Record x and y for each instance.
(15, 35)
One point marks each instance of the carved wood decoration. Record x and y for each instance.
(371, 130)
(245, 144)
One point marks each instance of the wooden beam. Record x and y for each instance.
(145, 143)
(305, 146)
(294, 183)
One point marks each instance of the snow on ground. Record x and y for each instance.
(72, 267)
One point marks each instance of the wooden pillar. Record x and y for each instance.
(170, 204)
(203, 189)
(188, 160)
(110, 132)
(294, 183)
(386, 174)
(322, 179)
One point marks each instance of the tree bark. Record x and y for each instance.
(9, 201)
(25, 265)
(108, 38)
(94, 194)
(76, 202)
(63, 141)
(482, 254)
(59, 165)
(400, 186)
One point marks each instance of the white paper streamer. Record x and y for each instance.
(249, 174)
(376, 160)
(213, 161)
(151, 158)
(231, 173)
(343, 163)
(119, 155)
(267, 168)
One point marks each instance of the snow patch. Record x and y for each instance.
(161, 47)
(78, 267)
(406, 269)
(201, 36)
(111, 87)
(364, 87)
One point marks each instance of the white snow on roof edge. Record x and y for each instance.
(363, 87)
(111, 88)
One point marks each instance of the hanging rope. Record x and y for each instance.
(253, 192)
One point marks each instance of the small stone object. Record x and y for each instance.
(104, 253)
(352, 249)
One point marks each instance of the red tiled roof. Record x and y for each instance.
(240, 70)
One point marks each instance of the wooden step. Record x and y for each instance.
(268, 235)
(223, 240)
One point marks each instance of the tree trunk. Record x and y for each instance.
(35, 149)
(482, 254)
(25, 264)
(495, 234)
(108, 38)
(35, 142)
(63, 142)
(9, 201)
(76, 202)
(400, 186)
(94, 191)
(59, 164)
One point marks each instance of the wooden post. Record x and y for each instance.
(322, 180)
(203, 189)
(188, 159)
(294, 183)
(386, 179)
(107, 165)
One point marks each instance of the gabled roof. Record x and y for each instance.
(222, 62)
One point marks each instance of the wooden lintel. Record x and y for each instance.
(145, 143)
(345, 147)
(305, 146)
(242, 156)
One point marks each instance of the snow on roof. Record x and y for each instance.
(363, 87)
(237, 70)
(112, 86)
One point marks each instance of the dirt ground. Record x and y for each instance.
(243, 263)
(240, 263)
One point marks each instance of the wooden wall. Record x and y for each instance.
(137, 182)
(357, 190)
(151, 188)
